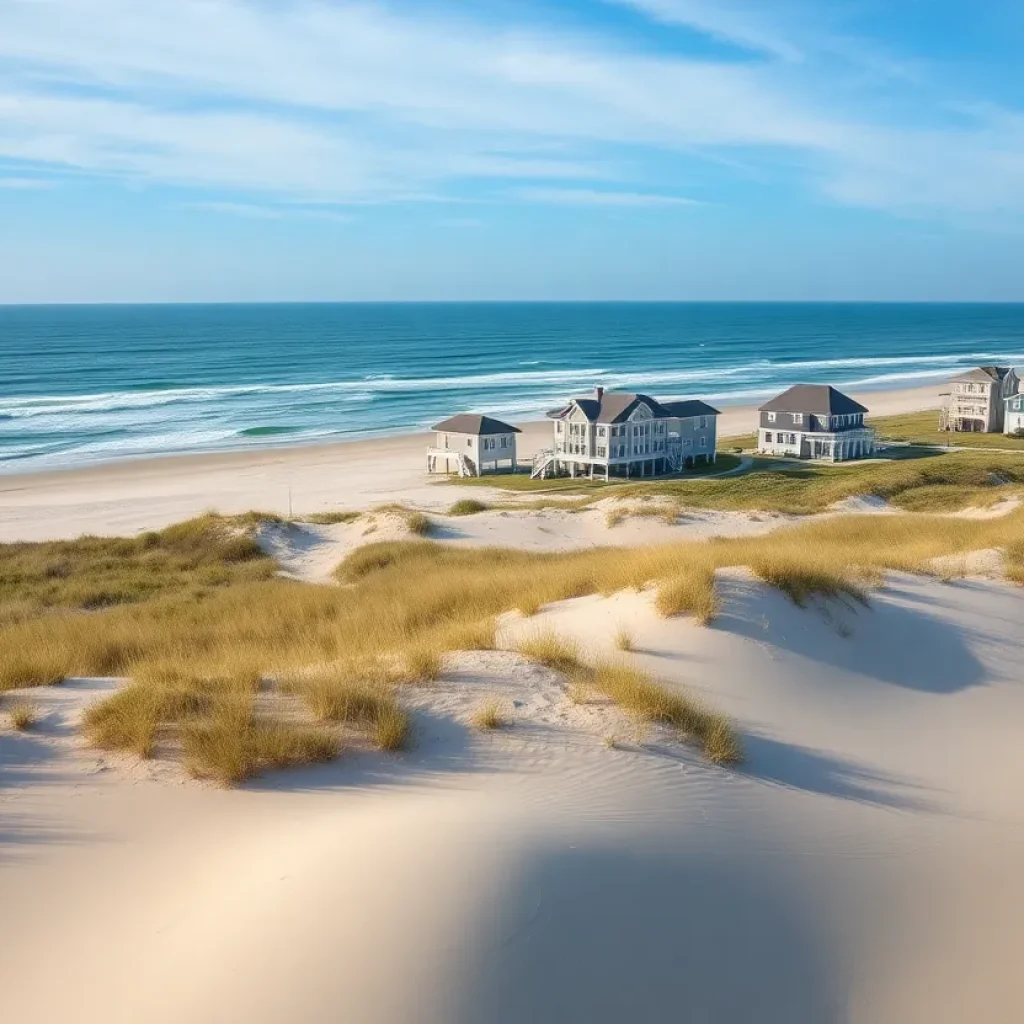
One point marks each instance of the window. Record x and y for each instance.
(767, 437)
(703, 442)
(602, 452)
(771, 417)
(446, 440)
(703, 423)
(798, 417)
(504, 442)
(622, 451)
(469, 442)
(489, 444)
(601, 431)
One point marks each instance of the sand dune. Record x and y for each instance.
(864, 865)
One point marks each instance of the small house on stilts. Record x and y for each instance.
(469, 443)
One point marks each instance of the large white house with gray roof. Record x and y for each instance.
(815, 421)
(614, 433)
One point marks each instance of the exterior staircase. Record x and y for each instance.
(542, 462)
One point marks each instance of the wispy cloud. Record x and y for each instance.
(25, 183)
(345, 103)
(255, 211)
(595, 197)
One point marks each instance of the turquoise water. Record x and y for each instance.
(86, 384)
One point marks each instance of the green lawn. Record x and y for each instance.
(921, 428)
(565, 485)
(911, 478)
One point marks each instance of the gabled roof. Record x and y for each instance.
(609, 407)
(474, 423)
(689, 408)
(984, 374)
(819, 399)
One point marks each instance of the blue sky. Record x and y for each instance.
(176, 150)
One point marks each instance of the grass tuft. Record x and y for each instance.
(331, 518)
(22, 715)
(489, 716)
(624, 639)
(467, 507)
(548, 648)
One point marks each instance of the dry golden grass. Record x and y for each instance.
(331, 518)
(399, 599)
(423, 665)
(22, 715)
(638, 694)
(489, 716)
(467, 507)
(391, 730)
(624, 639)
(232, 744)
(693, 594)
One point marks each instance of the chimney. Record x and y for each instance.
(599, 393)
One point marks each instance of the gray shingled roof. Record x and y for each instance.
(984, 374)
(689, 408)
(474, 423)
(819, 399)
(611, 407)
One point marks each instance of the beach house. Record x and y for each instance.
(815, 421)
(616, 433)
(977, 401)
(469, 443)
(1013, 422)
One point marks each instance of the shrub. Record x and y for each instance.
(467, 507)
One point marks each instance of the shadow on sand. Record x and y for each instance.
(604, 934)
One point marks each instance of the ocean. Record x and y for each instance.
(88, 384)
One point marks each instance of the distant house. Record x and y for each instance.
(1014, 418)
(815, 421)
(615, 433)
(977, 400)
(468, 443)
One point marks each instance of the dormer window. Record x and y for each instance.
(771, 417)
(798, 417)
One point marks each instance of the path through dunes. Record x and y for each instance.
(863, 866)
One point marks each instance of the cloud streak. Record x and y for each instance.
(356, 103)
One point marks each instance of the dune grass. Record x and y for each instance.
(636, 693)
(331, 518)
(401, 606)
(97, 572)
(489, 716)
(22, 715)
(624, 640)
(468, 507)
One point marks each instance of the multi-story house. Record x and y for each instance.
(612, 433)
(977, 399)
(815, 421)
(1014, 418)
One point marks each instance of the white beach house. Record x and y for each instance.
(469, 443)
(613, 433)
(977, 401)
(1014, 417)
(815, 421)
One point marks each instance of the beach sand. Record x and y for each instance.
(143, 494)
(862, 867)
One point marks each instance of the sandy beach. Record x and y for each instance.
(575, 864)
(130, 496)
(863, 867)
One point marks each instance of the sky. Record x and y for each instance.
(293, 150)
